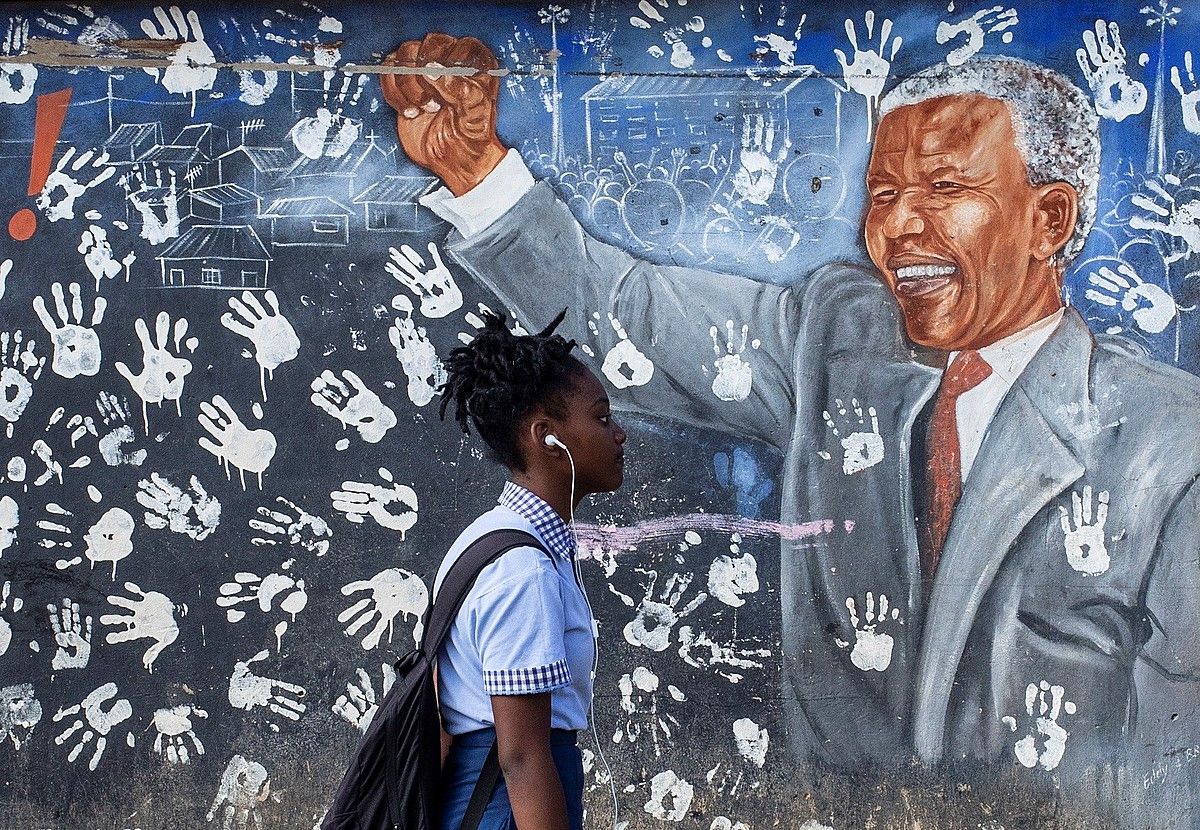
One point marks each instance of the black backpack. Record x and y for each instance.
(392, 782)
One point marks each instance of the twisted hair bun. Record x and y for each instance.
(499, 378)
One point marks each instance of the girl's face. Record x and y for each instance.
(593, 436)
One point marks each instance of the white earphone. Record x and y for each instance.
(551, 440)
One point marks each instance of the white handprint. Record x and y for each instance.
(1167, 216)
(862, 446)
(76, 346)
(758, 161)
(353, 404)
(656, 618)
(110, 539)
(359, 500)
(976, 28)
(1189, 97)
(868, 73)
(1046, 739)
(624, 364)
(21, 367)
(274, 340)
(872, 648)
(1151, 306)
(151, 616)
(432, 284)
(263, 592)
(243, 787)
(174, 727)
(248, 690)
(72, 635)
(10, 519)
(62, 206)
(114, 413)
(99, 258)
(700, 650)
(143, 199)
(304, 530)
(99, 721)
(232, 442)
(416, 354)
(192, 63)
(16, 79)
(163, 374)
(1117, 95)
(359, 704)
(735, 375)
(20, 713)
(5, 269)
(194, 513)
(392, 592)
(5, 627)
(1083, 532)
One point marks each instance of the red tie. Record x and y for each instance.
(964, 373)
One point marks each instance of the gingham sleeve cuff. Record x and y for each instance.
(532, 681)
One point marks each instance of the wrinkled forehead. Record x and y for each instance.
(951, 124)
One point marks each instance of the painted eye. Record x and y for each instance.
(946, 186)
(883, 195)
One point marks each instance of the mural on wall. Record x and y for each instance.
(900, 303)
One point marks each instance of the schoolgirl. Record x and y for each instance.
(516, 669)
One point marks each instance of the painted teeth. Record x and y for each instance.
(915, 272)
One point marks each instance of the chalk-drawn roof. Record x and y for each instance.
(263, 158)
(129, 135)
(223, 195)
(172, 154)
(304, 206)
(625, 87)
(397, 190)
(344, 165)
(238, 242)
(194, 134)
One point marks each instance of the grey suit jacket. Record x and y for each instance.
(1060, 636)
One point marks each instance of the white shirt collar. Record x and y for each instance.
(1009, 357)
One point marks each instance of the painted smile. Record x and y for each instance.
(919, 276)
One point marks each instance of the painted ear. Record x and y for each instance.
(1058, 207)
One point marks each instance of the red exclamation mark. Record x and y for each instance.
(47, 124)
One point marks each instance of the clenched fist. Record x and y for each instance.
(447, 122)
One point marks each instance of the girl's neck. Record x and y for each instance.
(554, 493)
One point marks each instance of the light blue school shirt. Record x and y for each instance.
(523, 629)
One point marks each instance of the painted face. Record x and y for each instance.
(596, 440)
(953, 222)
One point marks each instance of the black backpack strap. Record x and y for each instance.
(453, 592)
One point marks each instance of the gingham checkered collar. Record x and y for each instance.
(542, 516)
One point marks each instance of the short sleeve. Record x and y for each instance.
(519, 628)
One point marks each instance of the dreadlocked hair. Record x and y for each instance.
(499, 378)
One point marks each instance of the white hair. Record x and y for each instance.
(1057, 129)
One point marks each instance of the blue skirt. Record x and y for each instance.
(467, 754)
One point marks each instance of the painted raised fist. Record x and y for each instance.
(446, 122)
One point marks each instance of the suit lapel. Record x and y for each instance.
(1028, 457)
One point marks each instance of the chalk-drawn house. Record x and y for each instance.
(366, 162)
(392, 204)
(223, 203)
(639, 114)
(308, 220)
(255, 168)
(191, 155)
(215, 256)
(129, 141)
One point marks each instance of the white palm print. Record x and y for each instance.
(390, 505)
(1045, 739)
(192, 63)
(56, 205)
(289, 524)
(1151, 307)
(656, 619)
(20, 367)
(114, 414)
(5, 626)
(232, 442)
(976, 27)
(735, 375)
(72, 635)
(729, 660)
(96, 721)
(1165, 215)
(99, 258)
(138, 190)
(273, 337)
(390, 593)
(273, 590)
(862, 446)
(76, 345)
(248, 691)
(174, 728)
(868, 72)
(417, 356)
(758, 161)
(353, 404)
(192, 512)
(872, 648)
(148, 615)
(624, 364)
(1102, 61)
(1189, 96)
(244, 786)
(432, 283)
(16, 79)
(1083, 531)
(360, 703)
(163, 373)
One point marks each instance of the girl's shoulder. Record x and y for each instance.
(516, 561)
